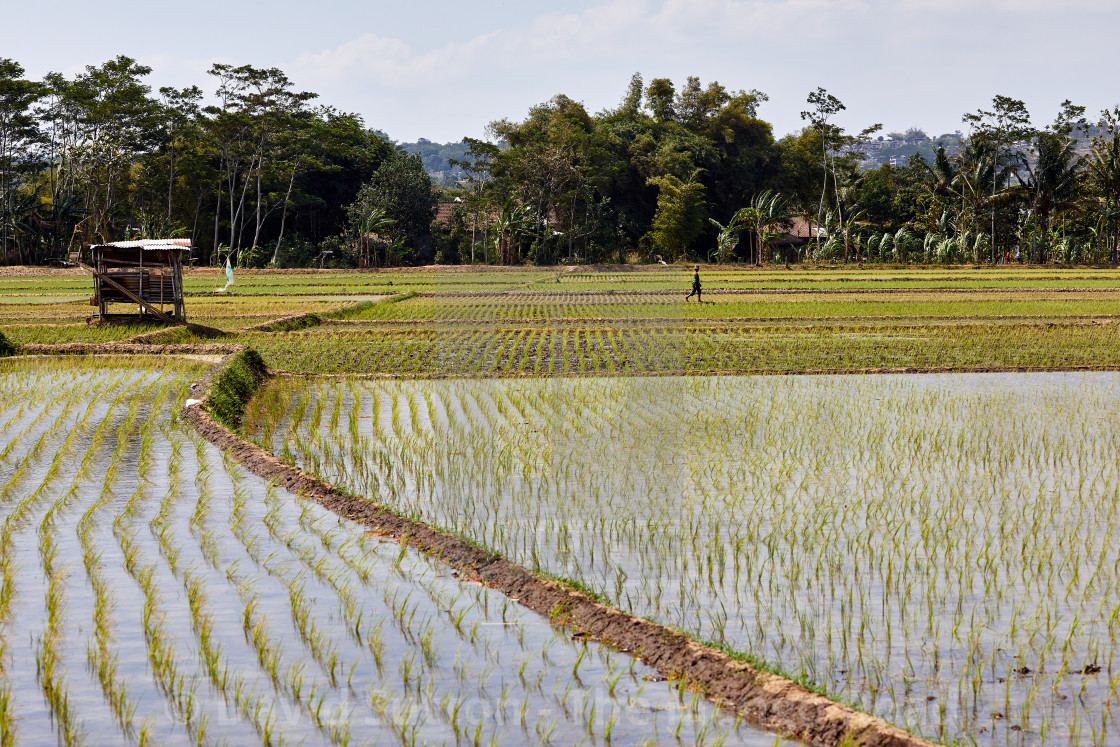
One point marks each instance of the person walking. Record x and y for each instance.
(695, 284)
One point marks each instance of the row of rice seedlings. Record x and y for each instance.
(691, 560)
(253, 694)
(700, 347)
(309, 692)
(50, 670)
(101, 649)
(288, 675)
(48, 655)
(239, 688)
(226, 681)
(171, 673)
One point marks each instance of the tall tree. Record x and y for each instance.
(256, 104)
(1053, 180)
(680, 214)
(117, 122)
(660, 100)
(1103, 166)
(401, 192)
(631, 105)
(477, 165)
(180, 110)
(19, 134)
(825, 107)
(1005, 127)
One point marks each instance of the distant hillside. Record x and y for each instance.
(896, 148)
(435, 157)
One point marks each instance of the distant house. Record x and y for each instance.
(799, 232)
(444, 210)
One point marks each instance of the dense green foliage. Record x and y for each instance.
(676, 174)
(100, 157)
(6, 346)
(234, 385)
(391, 216)
(264, 177)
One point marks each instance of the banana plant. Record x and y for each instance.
(766, 212)
(727, 238)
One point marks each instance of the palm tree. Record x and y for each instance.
(369, 224)
(513, 223)
(1104, 178)
(766, 211)
(848, 227)
(965, 182)
(1053, 182)
(942, 173)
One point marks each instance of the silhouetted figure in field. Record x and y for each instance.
(695, 285)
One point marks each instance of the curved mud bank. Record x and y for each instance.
(764, 699)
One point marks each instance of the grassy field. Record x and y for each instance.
(581, 321)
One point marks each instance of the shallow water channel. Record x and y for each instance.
(152, 591)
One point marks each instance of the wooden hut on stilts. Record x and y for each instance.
(146, 274)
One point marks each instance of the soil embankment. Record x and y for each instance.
(129, 348)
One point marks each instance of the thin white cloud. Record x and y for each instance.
(554, 37)
(1011, 7)
(891, 60)
(614, 30)
(756, 17)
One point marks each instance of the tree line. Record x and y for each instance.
(696, 174)
(260, 173)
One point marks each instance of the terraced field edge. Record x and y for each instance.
(764, 699)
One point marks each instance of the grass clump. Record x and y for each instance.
(351, 311)
(7, 348)
(235, 385)
(296, 323)
(363, 309)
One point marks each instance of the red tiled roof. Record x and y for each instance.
(443, 212)
(802, 228)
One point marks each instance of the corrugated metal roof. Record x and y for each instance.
(148, 244)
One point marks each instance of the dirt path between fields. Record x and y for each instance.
(1082, 320)
(766, 700)
(129, 348)
(632, 373)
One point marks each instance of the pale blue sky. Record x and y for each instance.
(442, 70)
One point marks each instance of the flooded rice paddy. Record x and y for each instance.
(942, 550)
(152, 592)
